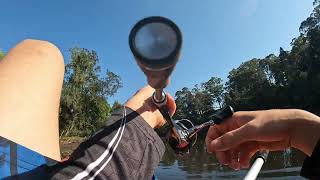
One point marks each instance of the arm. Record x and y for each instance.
(127, 148)
(246, 133)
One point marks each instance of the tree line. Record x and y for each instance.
(84, 106)
(288, 80)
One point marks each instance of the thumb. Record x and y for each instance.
(232, 138)
(171, 105)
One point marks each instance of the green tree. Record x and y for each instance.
(84, 106)
(290, 79)
(185, 104)
(1, 54)
(312, 22)
(214, 88)
(198, 104)
(250, 86)
(116, 106)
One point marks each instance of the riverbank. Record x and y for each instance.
(69, 144)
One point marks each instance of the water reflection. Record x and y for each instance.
(200, 165)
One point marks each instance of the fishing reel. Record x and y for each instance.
(183, 144)
(187, 132)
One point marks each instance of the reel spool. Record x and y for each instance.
(182, 149)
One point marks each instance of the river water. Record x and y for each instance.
(200, 165)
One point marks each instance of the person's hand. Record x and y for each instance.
(237, 139)
(142, 103)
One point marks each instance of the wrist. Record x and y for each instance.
(151, 117)
(304, 131)
(142, 103)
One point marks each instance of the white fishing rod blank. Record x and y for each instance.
(256, 166)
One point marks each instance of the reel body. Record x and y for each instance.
(182, 146)
(187, 131)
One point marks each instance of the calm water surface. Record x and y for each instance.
(200, 165)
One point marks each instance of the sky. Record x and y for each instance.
(218, 35)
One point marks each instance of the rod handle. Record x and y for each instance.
(223, 114)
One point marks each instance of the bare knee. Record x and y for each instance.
(31, 77)
(38, 50)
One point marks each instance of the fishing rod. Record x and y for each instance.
(156, 44)
(257, 165)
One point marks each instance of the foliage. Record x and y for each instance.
(312, 22)
(198, 104)
(288, 80)
(84, 106)
(247, 85)
(1, 54)
(116, 106)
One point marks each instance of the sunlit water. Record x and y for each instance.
(200, 165)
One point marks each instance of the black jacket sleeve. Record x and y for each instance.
(127, 148)
(311, 165)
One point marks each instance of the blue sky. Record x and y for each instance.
(218, 34)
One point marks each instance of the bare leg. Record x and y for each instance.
(31, 77)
